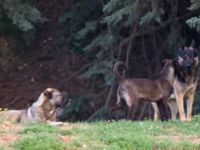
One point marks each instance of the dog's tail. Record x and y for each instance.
(116, 70)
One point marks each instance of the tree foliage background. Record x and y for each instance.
(140, 32)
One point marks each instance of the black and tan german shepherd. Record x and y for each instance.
(185, 84)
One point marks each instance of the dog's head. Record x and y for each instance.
(54, 96)
(187, 59)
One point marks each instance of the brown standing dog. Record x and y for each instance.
(156, 89)
(43, 110)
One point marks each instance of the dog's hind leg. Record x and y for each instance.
(114, 108)
(132, 109)
(165, 105)
(13, 115)
(131, 112)
(190, 102)
(117, 105)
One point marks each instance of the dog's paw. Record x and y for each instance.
(54, 123)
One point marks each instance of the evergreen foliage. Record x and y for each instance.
(19, 18)
(194, 22)
(139, 32)
(116, 26)
(22, 15)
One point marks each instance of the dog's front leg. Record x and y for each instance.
(162, 106)
(55, 123)
(190, 102)
(165, 106)
(179, 100)
(54, 117)
(156, 111)
(173, 108)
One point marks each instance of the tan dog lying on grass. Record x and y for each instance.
(43, 110)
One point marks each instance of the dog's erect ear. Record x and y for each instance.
(179, 60)
(48, 94)
(193, 44)
(196, 60)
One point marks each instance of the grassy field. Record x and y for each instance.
(126, 135)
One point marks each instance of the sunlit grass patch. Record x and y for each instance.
(40, 142)
(39, 128)
(134, 135)
(168, 144)
(2, 147)
(116, 135)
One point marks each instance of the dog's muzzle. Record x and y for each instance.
(57, 100)
(59, 104)
(187, 65)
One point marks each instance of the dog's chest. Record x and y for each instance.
(181, 87)
(48, 107)
(48, 110)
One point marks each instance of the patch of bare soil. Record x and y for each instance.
(8, 132)
(4, 126)
(178, 138)
(8, 138)
(66, 139)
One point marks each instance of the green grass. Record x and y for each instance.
(126, 135)
(136, 135)
(40, 142)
